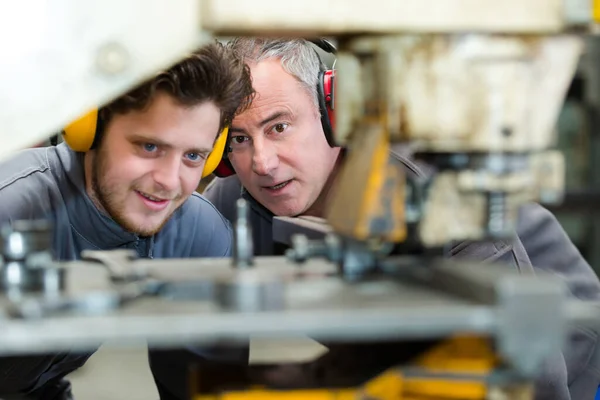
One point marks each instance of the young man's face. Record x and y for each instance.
(279, 150)
(149, 162)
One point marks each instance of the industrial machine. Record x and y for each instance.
(474, 87)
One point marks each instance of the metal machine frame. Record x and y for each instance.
(491, 157)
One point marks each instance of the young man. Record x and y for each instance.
(134, 189)
(285, 167)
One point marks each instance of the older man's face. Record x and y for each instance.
(279, 150)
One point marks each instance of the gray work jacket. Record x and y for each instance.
(541, 243)
(49, 183)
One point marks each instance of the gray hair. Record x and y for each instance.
(298, 58)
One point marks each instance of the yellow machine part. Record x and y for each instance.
(596, 10)
(368, 201)
(466, 356)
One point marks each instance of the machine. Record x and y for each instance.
(473, 87)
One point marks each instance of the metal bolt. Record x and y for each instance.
(304, 249)
(243, 250)
(28, 265)
(112, 58)
(24, 237)
(300, 249)
(334, 247)
(497, 218)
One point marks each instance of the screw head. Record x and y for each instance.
(112, 58)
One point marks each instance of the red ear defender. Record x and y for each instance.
(224, 169)
(329, 100)
(326, 92)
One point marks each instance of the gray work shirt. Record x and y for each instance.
(49, 183)
(541, 243)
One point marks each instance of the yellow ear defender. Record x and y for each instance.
(215, 156)
(80, 135)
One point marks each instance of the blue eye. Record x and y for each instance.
(193, 156)
(149, 147)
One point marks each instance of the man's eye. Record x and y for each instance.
(239, 139)
(279, 128)
(149, 147)
(194, 156)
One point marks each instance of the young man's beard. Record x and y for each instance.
(104, 199)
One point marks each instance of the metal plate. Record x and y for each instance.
(383, 16)
(63, 57)
(315, 305)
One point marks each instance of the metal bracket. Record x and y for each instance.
(117, 262)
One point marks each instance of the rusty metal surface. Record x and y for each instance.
(462, 93)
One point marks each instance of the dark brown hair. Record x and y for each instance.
(212, 73)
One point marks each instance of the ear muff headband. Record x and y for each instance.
(80, 135)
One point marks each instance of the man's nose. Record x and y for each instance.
(264, 158)
(167, 173)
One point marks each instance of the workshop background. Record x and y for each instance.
(578, 132)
